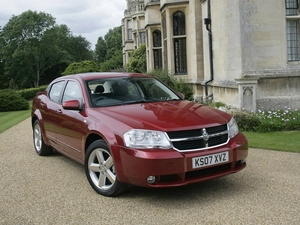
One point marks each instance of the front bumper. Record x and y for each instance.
(172, 168)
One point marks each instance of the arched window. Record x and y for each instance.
(157, 50)
(179, 23)
(179, 37)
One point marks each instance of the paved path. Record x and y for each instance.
(54, 190)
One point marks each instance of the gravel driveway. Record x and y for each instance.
(54, 190)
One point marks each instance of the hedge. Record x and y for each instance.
(29, 93)
(12, 101)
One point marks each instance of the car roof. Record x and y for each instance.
(99, 75)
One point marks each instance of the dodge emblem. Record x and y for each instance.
(205, 134)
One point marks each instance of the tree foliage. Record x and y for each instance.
(81, 67)
(108, 51)
(100, 50)
(33, 44)
(137, 61)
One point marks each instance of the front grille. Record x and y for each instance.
(190, 140)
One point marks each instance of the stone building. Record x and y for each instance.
(245, 53)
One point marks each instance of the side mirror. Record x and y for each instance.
(72, 105)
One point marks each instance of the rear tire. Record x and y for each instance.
(100, 170)
(40, 147)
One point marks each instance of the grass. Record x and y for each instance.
(9, 119)
(287, 141)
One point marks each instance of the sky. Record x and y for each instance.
(89, 18)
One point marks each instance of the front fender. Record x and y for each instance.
(112, 133)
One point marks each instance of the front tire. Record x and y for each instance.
(40, 147)
(100, 170)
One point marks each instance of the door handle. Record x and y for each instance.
(43, 104)
(59, 111)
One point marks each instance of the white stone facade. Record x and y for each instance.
(253, 60)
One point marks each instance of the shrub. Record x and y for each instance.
(111, 64)
(137, 62)
(176, 84)
(29, 93)
(247, 121)
(12, 101)
(81, 67)
(278, 120)
(184, 88)
(163, 76)
(268, 121)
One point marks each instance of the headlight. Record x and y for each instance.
(232, 128)
(136, 138)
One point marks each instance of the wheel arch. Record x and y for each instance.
(113, 147)
(90, 139)
(37, 117)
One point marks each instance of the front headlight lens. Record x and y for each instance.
(232, 128)
(137, 138)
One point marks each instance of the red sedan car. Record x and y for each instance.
(132, 129)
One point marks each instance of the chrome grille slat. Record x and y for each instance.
(193, 140)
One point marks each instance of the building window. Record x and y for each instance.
(179, 36)
(165, 40)
(157, 49)
(179, 23)
(180, 55)
(157, 58)
(157, 38)
(129, 30)
(143, 38)
(292, 29)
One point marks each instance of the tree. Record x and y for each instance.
(137, 61)
(113, 64)
(22, 50)
(108, 51)
(100, 50)
(79, 49)
(113, 40)
(34, 44)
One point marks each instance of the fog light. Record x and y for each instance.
(151, 179)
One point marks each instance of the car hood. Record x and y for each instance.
(166, 116)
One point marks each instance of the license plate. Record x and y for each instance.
(209, 160)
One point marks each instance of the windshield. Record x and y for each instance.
(119, 91)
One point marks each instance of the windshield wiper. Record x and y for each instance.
(134, 102)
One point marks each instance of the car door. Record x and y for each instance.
(50, 110)
(71, 128)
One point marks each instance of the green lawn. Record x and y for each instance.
(288, 141)
(9, 119)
